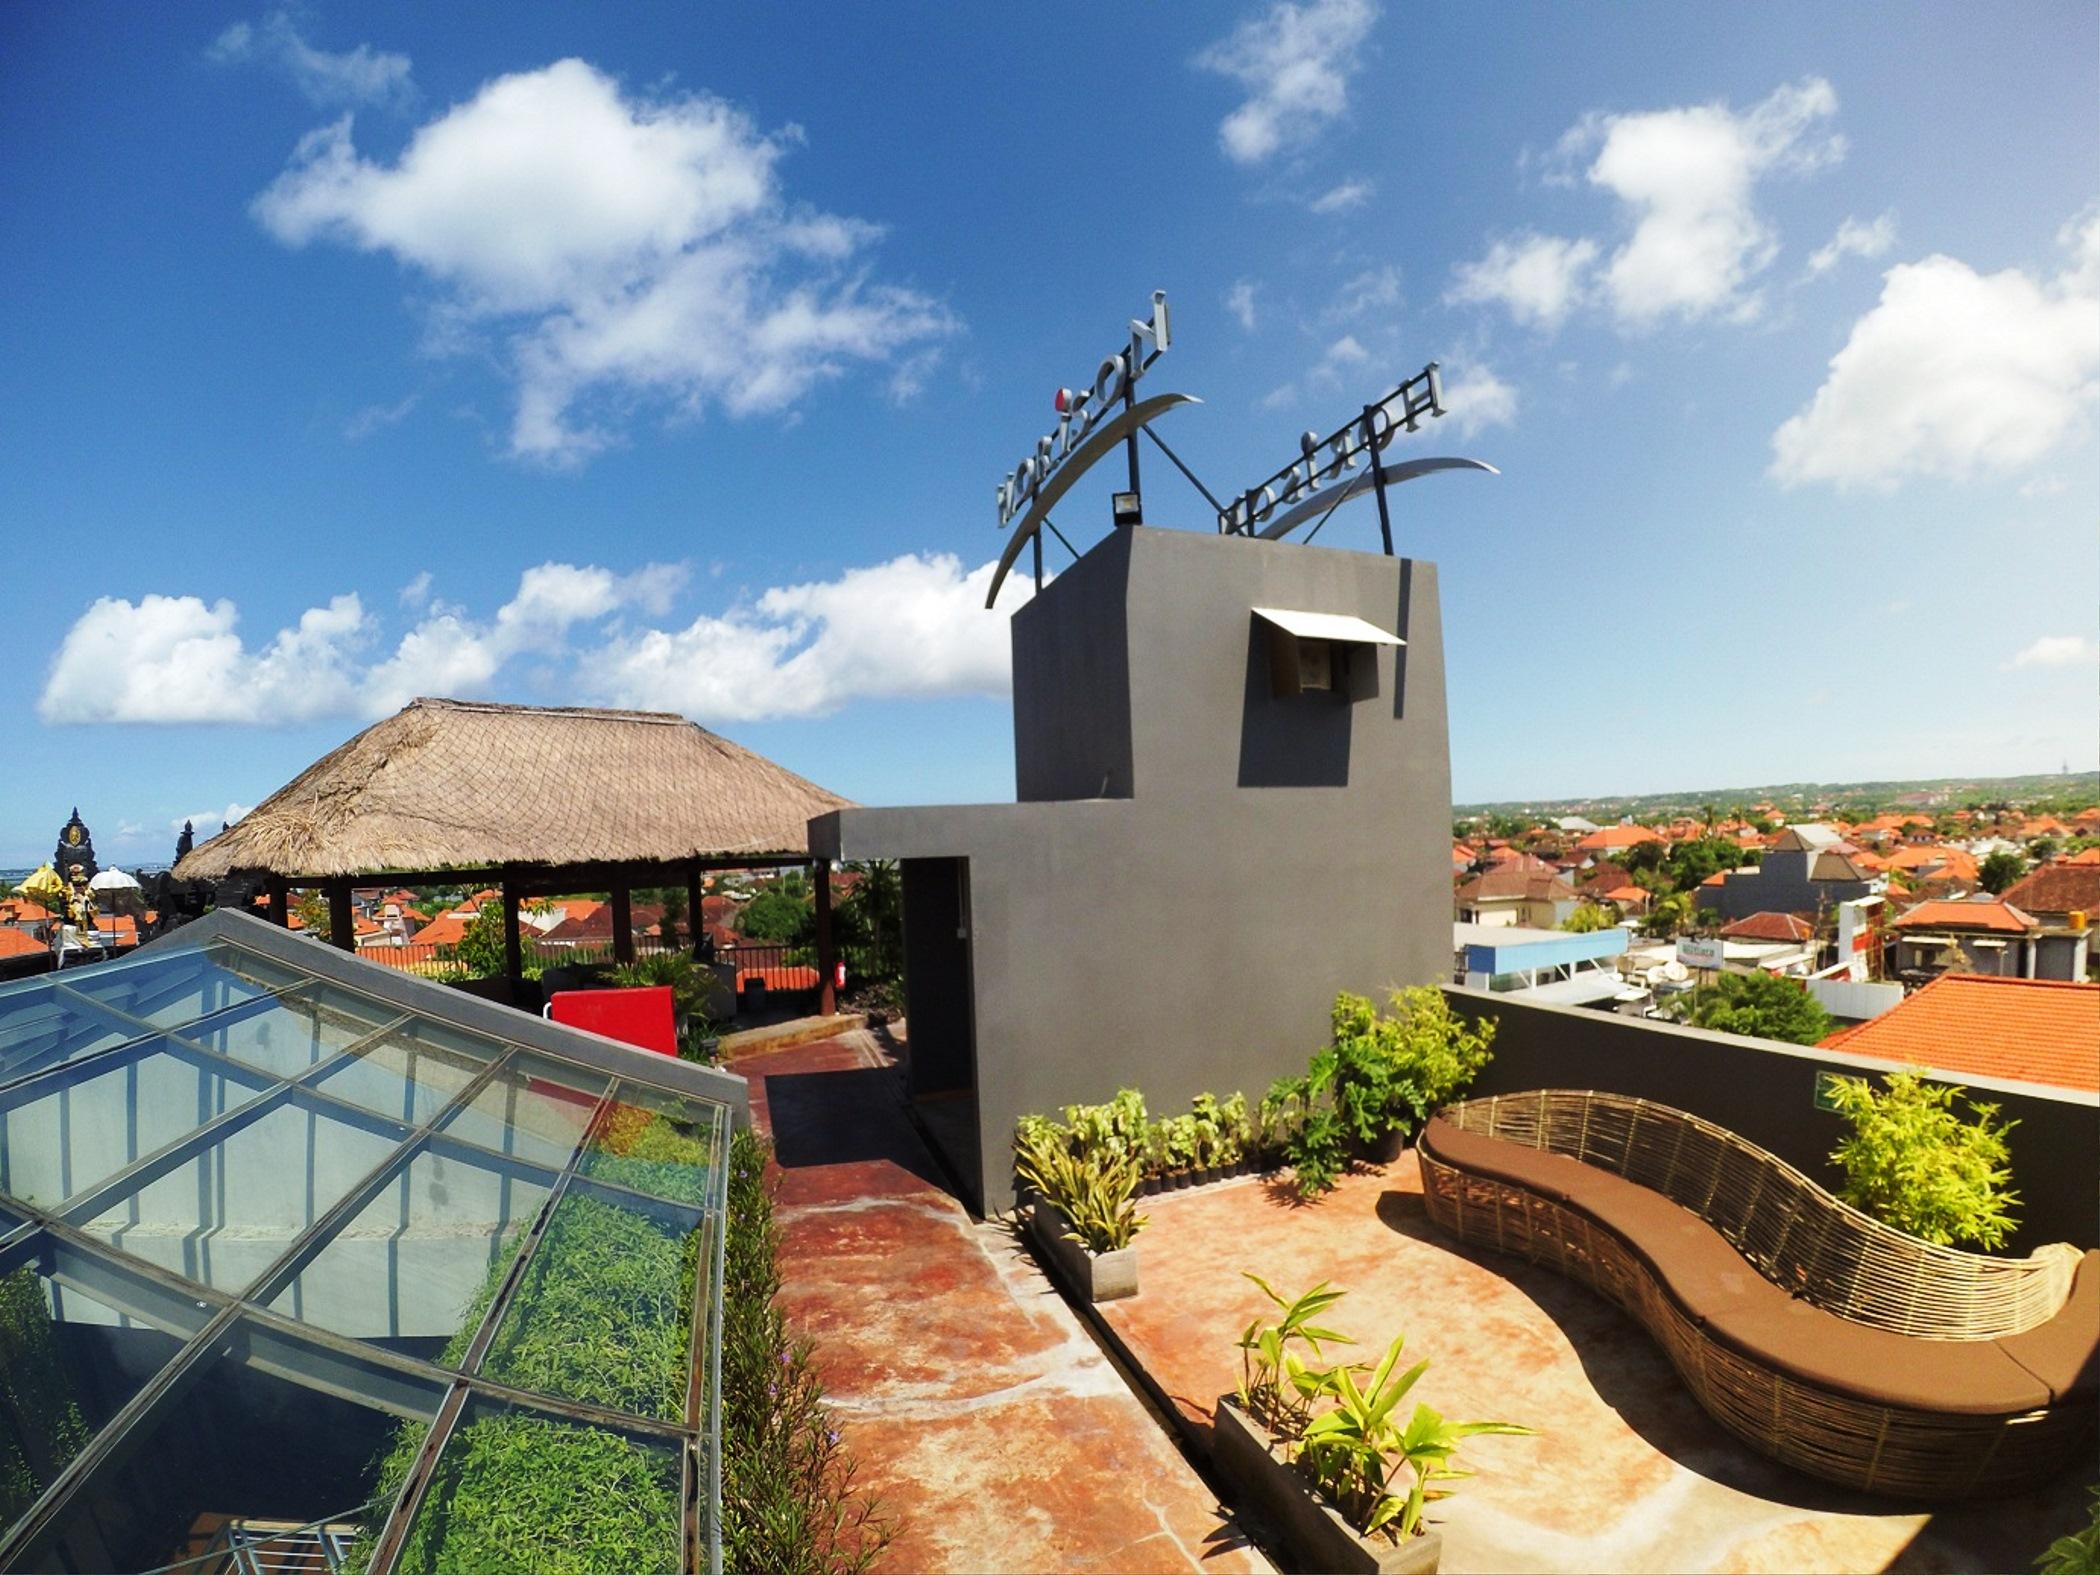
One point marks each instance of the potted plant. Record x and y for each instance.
(1320, 1449)
(1082, 1215)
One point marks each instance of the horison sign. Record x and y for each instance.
(1091, 421)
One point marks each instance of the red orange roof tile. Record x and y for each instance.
(2023, 1030)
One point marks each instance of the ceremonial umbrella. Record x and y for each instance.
(43, 884)
(113, 879)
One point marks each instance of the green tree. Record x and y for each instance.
(1912, 1162)
(1590, 916)
(1670, 915)
(776, 914)
(1641, 858)
(480, 950)
(2000, 870)
(871, 920)
(312, 912)
(1691, 862)
(1761, 1006)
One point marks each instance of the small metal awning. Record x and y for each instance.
(1326, 626)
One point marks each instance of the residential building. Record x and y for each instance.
(2063, 900)
(1540, 965)
(1514, 895)
(2020, 1030)
(1982, 935)
(1808, 870)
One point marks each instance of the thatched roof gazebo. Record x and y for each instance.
(531, 799)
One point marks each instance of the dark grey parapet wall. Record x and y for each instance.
(1765, 1091)
(1251, 856)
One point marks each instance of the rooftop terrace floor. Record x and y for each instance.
(1627, 1473)
(993, 1429)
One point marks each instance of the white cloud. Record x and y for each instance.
(1340, 199)
(206, 822)
(1539, 278)
(1239, 300)
(623, 244)
(175, 659)
(1373, 290)
(1476, 399)
(1295, 61)
(915, 627)
(2057, 650)
(1953, 373)
(376, 418)
(330, 81)
(1854, 238)
(1687, 178)
(1326, 373)
(417, 591)
(2044, 487)
(913, 373)
(912, 627)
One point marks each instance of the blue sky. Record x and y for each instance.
(669, 356)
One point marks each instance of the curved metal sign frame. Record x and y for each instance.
(1356, 486)
(1102, 440)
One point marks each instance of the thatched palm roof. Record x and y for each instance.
(452, 784)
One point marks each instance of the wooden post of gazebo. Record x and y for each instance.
(280, 909)
(342, 929)
(827, 954)
(513, 947)
(694, 901)
(623, 921)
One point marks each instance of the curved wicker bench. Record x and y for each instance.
(1818, 1335)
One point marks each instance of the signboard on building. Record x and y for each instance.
(1700, 953)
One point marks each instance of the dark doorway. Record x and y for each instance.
(940, 1009)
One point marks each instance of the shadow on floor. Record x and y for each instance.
(1628, 1370)
(852, 1116)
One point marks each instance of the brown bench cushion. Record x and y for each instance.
(2064, 1353)
(1725, 1294)
(1966, 1377)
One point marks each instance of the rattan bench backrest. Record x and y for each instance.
(1804, 1240)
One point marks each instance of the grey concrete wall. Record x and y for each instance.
(1192, 936)
(1072, 682)
(1780, 884)
(1765, 1091)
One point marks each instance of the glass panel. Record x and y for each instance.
(293, 1035)
(512, 1485)
(409, 1075)
(420, 1262)
(660, 1144)
(73, 1351)
(61, 1140)
(536, 1109)
(227, 1213)
(604, 1312)
(38, 1029)
(248, 1452)
(177, 987)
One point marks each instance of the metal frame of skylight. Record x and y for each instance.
(45, 1230)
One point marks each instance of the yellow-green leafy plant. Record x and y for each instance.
(1095, 1195)
(2077, 1553)
(1274, 1379)
(1339, 1426)
(1118, 1129)
(1912, 1162)
(1356, 1452)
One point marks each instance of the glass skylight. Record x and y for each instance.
(315, 1259)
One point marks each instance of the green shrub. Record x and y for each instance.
(1913, 1163)
(788, 1500)
(35, 1394)
(1094, 1193)
(1762, 1006)
(2079, 1552)
(692, 993)
(1379, 1074)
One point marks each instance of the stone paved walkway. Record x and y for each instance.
(993, 1429)
(1627, 1472)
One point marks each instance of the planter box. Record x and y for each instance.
(1099, 1277)
(1313, 1533)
